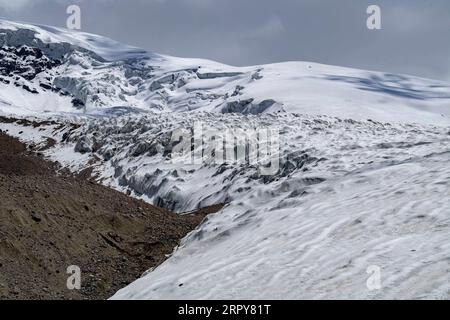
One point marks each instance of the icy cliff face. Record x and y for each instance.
(90, 70)
(89, 74)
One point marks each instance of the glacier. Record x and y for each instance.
(363, 179)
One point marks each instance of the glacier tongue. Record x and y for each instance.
(349, 195)
(367, 194)
(363, 177)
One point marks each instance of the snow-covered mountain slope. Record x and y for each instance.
(75, 72)
(350, 193)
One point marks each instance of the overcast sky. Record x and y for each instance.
(415, 35)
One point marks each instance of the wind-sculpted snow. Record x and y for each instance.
(320, 245)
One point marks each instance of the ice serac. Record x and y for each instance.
(89, 74)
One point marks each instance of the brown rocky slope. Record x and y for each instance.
(50, 221)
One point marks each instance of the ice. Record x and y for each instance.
(363, 179)
(97, 73)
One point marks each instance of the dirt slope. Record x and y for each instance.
(50, 221)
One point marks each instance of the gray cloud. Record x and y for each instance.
(414, 38)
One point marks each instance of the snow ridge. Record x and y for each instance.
(89, 74)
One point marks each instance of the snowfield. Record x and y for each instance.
(364, 177)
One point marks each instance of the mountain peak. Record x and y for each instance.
(91, 74)
(108, 49)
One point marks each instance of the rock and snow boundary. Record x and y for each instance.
(366, 185)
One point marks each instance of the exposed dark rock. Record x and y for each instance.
(83, 145)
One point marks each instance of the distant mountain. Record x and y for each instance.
(53, 70)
